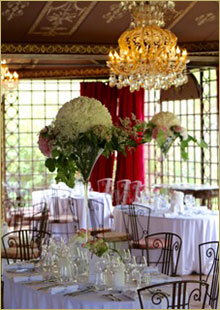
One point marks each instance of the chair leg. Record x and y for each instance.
(2, 294)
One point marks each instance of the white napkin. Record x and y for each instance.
(37, 277)
(67, 289)
(130, 294)
(20, 265)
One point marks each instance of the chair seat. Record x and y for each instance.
(94, 232)
(13, 253)
(16, 241)
(62, 219)
(141, 244)
(114, 236)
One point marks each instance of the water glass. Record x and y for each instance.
(189, 201)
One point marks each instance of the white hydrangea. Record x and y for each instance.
(80, 115)
(165, 119)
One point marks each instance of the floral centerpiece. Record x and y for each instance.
(79, 238)
(96, 246)
(165, 128)
(83, 130)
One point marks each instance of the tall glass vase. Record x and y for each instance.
(85, 165)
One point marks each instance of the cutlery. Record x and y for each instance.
(111, 296)
(46, 287)
(86, 290)
(39, 282)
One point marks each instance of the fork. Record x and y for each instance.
(86, 290)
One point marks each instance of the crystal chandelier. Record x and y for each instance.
(9, 80)
(149, 56)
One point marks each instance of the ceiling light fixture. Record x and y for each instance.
(149, 56)
(9, 80)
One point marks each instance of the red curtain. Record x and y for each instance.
(131, 166)
(108, 96)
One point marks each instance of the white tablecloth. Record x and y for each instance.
(193, 230)
(46, 195)
(24, 296)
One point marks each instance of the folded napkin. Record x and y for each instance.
(20, 265)
(130, 294)
(61, 288)
(36, 278)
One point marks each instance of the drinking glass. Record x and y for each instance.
(190, 202)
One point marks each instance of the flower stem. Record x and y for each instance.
(86, 183)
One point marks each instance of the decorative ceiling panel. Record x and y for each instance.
(201, 23)
(80, 33)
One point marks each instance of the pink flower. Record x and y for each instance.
(156, 190)
(44, 144)
(181, 130)
(157, 129)
(178, 129)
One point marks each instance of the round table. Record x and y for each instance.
(193, 229)
(47, 196)
(24, 296)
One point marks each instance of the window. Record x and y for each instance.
(33, 106)
(200, 118)
(36, 103)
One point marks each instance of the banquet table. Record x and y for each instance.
(203, 191)
(194, 228)
(47, 196)
(18, 295)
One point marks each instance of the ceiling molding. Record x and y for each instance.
(55, 49)
(212, 46)
(80, 49)
(73, 73)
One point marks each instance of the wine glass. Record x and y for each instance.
(126, 258)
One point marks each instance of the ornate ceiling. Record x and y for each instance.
(72, 38)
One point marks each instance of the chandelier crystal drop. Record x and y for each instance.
(148, 56)
(9, 80)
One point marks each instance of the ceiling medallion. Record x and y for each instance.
(149, 56)
(9, 80)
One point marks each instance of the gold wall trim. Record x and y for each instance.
(55, 49)
(91, 49)
(201, 46)
(73, 73)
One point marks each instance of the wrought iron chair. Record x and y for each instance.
(174, 295)
(122, 192)
(168, 246)
(135, 190)
(105, 185)
(62, 210)
(99, 231)
(35, 216)
(75, 214)
(15, 205)
(132, 215)
(21, 244)
(96, 212)
(211, 250)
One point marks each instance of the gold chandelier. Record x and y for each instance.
(149, 56)
(9, 80)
